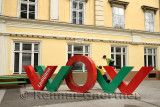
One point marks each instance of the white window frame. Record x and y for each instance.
(118, 15)
(120, 53)
(149, 19)
(25, 51)
(73, 52)
(19, 9)
(156, 56)
(84, 11)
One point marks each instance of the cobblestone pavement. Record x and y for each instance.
(148, 90)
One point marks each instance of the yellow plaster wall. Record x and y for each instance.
(90, 12)
(44, 9)
(10, 8)
(107, 14)
(136, 56)
(64, 11)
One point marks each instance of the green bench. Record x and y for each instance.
(13, 82)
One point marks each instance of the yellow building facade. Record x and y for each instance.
(49, 32)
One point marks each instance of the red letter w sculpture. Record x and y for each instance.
(93, 74)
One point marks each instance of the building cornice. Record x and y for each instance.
(67, 37)
(125, 4)
(58, 26)
(20, 22)
(145, 8)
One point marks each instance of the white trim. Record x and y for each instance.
(12, 56)
(90, 50)
(18, 8)
(70, 11)
(32, 55)
(158, 59)
(84, 18)
(36, 9)
(127, 56)
(20, 59)
(2, 26)
(6, 54)
(1, 7)
(66, 52)
(40, 53)
(3, 55)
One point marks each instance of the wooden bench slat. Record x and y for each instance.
(12, 77)
(13, 82)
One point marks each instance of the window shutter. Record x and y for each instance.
(54, 10)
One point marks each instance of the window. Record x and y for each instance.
(25, 54)
(149, 21)
(150, 57)
(74, 49)
(118, 17)
(150, 13)
(28, 9)
(77, 12)
(119, 56)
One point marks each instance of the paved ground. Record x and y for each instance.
(149, 91)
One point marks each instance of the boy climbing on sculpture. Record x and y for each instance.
(110, 61)
(103, 74)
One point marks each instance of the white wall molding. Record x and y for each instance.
(71, 28)
(46, 25)
(99, 16)
(84, 29)
(39, 24)
(3, 54)
(136, 39)
(54, 10)
(35, 24)
(2, 26)
(66, 37)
